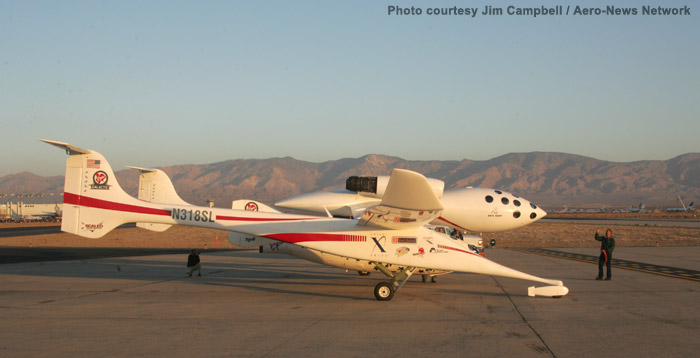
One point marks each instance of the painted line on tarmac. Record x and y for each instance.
(666, 271)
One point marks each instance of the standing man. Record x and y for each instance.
(607, 246)
(193, 264)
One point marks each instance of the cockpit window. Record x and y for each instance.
(533, 216)
(516, 202)
(489, 199)
(516, 214)
(505, 201)
(498, 192)
(533, 206)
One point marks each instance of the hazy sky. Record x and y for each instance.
(155, 83)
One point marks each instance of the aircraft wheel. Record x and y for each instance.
(384, 291)
(363, 273)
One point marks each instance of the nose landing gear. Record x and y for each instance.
(384, 291)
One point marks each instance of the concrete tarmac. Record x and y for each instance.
(252, 305)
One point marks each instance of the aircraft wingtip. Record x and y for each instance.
(70, 149)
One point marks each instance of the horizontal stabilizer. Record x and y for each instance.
(70, 149)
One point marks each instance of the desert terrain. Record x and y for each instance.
(577, 230)
(559, 233)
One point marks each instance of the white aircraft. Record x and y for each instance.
(466, 209)
(155, 186)
(683, 208)
(391, 233)
(641, 208)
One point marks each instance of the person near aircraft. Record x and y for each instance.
(193, 264)
(607, 246)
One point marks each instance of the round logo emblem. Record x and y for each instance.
(100, 178)
(251, 206)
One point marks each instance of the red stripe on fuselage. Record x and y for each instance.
(456, 249)
(74, 199)
(239, 218)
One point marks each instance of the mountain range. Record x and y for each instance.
(550, 179)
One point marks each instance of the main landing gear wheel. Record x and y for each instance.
(384, 291)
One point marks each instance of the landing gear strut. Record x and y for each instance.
(430, 278)
(384, 291)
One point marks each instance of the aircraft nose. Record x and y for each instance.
(541, 213)
(537, 212)
(300, 202)
(287, 202)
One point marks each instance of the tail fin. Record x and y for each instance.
(155, 187)
(93, 201)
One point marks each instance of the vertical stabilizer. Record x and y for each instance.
(91, 193)
(156, 187)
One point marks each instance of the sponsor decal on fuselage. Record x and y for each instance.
(402, 251)
(494, 213)
(378, 248)
(403, 240)
(99, 181)
(421, 252)
(93, 227)
(251, 206)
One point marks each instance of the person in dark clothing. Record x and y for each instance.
(607, 246)
(193, 264)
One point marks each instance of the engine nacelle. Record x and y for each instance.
(376, 186)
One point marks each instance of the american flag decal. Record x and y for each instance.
(93, 163)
